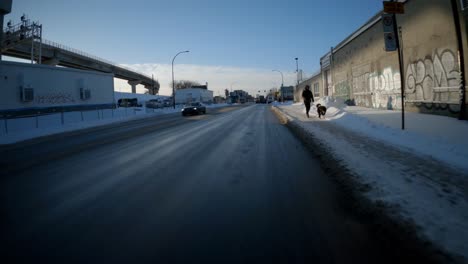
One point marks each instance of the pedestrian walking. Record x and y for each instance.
(308, 98)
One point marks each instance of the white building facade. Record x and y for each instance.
(41, 88)
(184, 96)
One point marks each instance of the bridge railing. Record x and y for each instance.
(89, 56)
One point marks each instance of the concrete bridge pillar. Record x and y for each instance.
(134, 83)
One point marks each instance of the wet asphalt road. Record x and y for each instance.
(232, 186)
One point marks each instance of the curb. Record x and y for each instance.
(398, 235)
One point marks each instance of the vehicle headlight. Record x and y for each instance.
(194, 108)
(182, 110)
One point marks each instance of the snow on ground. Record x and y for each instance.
(423, 173)
(19, 129)
(440, 137)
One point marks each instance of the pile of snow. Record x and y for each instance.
(276, 103)
(19, 129)
(440, 137)
(429, 191)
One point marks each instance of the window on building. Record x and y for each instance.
(316, 89)
(27, 94)
(85, 94)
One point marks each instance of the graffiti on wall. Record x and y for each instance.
(385, 87)
(55, 98)
(342, 90)
(341, 87)
(424, 76)
(376, 89)
(432, 79)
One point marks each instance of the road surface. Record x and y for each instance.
(232, 186)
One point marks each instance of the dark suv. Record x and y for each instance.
(193, 109)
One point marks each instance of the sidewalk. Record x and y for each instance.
(421, 173)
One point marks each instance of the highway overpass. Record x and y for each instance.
(24, 41)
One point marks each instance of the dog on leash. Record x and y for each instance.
(321, 110)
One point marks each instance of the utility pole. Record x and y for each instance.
(297, 70)
(282, 83)
(393, 42)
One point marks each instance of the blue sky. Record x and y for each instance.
(251, 36)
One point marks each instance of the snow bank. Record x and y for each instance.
(440, 137)
(276, 103)
(19, 129)
(429, 190)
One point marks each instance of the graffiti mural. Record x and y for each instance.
(430, 81)
(57, 98)
(342, 90)
(374, 89)
(425, 77)
(385, 87)
(361, 88)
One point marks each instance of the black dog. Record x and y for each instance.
(321, 110)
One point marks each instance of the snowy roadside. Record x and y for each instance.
(20, 129)
(419, 173)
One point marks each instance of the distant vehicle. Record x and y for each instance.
(128, 102)
(261, 100)
(270, 99)
(193, 109)
(154, 103)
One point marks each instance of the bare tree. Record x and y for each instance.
(184, 84)
(226, 92)
(154, 89)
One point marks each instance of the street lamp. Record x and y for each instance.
(297, 70)
(173, 84)
(231, 90)
(282, 81)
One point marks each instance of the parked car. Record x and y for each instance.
(154, 103)
(193, 109)
(167, 102)
(128, 102)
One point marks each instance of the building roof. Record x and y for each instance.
(200, 87)
(372, 21)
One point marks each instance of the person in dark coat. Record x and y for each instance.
(308, 98)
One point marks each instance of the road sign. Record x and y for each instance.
(387, 21)
(389, 32)
(393, 7)
(390, 41)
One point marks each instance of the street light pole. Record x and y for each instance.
(231, 89)
(173, 84)
(297, 70)
(282, 82)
